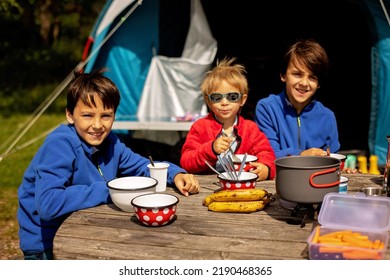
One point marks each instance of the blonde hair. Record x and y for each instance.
(225, 70)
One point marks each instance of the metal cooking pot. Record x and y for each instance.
(306, 179)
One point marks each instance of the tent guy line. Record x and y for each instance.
(19, 133)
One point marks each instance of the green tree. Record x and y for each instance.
(42, 41)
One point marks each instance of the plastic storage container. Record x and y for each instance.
(352, 227)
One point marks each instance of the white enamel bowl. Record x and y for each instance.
(340, 157)
(248, 167)
(124, 189)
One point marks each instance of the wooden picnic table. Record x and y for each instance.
(105, 232)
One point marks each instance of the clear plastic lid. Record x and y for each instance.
(355, 212)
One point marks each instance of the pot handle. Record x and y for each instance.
(333, 184)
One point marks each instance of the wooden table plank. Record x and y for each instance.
(105, 232)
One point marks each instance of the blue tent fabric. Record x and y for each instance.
(380, 78)
(128, 52)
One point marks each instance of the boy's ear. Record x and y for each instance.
(283, 78)
(243, 99)
(69, 117)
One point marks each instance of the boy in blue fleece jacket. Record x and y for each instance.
(294, 122)
(71, 169)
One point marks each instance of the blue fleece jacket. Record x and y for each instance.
(63, 177)
(290, 133)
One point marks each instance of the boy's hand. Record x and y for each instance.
(187, 183)
(314, 152)
(261, 170)
(221, 144)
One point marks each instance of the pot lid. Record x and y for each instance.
(355, 212)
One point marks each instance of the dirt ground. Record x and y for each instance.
(9, 245)
(10, 250)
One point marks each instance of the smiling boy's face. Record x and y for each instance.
(301, 84)
(93, 124)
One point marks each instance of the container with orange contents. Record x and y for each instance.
(352, 227)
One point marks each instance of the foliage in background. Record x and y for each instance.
(42, 42)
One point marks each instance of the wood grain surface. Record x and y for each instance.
(105, 232)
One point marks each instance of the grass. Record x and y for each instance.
(12, 167)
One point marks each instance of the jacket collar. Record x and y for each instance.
(287, 102)
(88, 149)
(217, 125)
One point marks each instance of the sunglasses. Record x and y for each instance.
(231, 97)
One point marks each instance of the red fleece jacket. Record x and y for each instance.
(199, 141)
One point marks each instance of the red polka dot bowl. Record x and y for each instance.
(156, 209)
(248, 167)
(247, 180)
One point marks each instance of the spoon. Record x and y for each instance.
(151, 160)
(215, 170)
(230, 165)
(242, 165)
(224, 166)
(235, 158)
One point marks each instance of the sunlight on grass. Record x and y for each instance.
(12, 168)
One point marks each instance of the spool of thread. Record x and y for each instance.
(362, 162)
(374, 165)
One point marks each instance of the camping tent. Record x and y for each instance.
(133, 56)
(378, 14)
(162, 25)
(152, 84)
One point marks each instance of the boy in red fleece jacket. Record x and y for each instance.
(225, 90)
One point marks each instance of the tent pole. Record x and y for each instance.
(385, 11)
(112, 31)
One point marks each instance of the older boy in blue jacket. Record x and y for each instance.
(294, 121)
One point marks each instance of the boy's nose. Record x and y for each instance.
(304, 81)
(97, 123)
(224, 100)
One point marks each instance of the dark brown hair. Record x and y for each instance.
(88, 86)
(309, 53)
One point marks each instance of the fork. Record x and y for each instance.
(234, 157)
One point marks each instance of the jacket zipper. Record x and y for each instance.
(299, 132)
(100, 170)
(95, 159)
